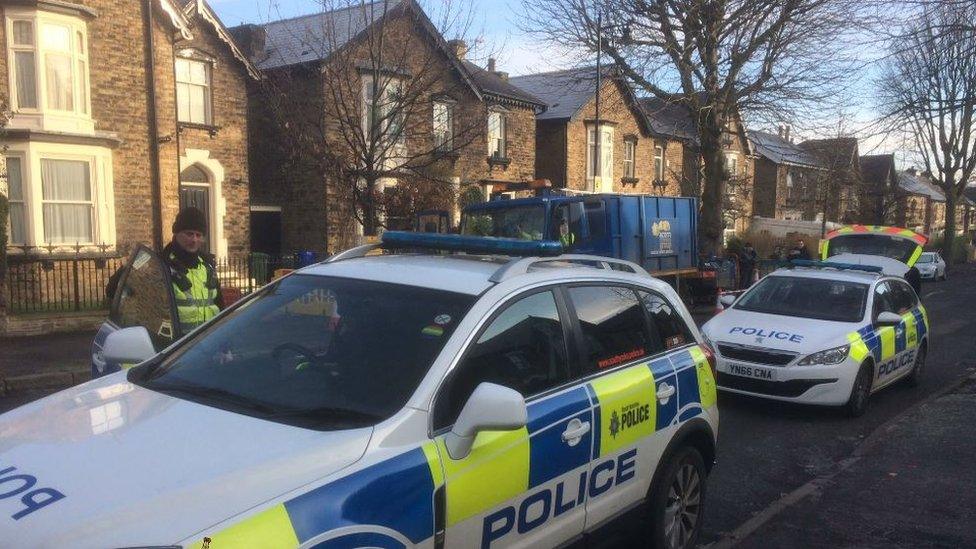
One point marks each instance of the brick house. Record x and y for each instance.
(879, 180)
(673, 121)
(920, 205)
(487, 124)
(839, 155)
(787, 178)
(634, 158)
(121, 112)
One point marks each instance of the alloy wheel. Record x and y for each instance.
(681, 515)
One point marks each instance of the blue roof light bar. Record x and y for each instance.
(835, 265)
(472, 244)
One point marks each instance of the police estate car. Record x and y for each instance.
(393, 400)
(821, 333)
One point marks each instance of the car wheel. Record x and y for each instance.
(945, 276)
(677, 502)
(860, 392)
(915, 377)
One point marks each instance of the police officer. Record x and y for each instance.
(566, 237)
(195, 283)
(800, 250)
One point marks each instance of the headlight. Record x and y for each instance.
(828, 356)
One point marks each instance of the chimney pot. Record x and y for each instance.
(459, 48)
(491, 64)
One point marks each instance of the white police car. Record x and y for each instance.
(384, 401)
(821, 333)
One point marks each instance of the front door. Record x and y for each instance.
(198, 196)
(523, 488)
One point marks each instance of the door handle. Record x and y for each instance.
(575, 431)
(665, 392)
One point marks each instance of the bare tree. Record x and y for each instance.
(362, 113)
(929, 85)
(717, 58)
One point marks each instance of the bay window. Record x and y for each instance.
(48, 60)
(16, 222)
(66, 199)
(605, 152)
(194, 99)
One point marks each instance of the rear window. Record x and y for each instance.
(815, 298)
(319, 352)
(873, 244)
(522, 222)
(926, 258)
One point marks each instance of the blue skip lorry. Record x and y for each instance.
(659, 233)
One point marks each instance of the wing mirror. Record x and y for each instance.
(727, 300)
(490, 408)
(887, 318)
(128, 346)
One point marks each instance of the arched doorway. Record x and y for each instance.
(195, 192)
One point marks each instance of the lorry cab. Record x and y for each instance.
(658, 233)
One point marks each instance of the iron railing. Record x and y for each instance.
(39, 282)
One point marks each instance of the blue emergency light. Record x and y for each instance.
(835, 265)
(472, 244)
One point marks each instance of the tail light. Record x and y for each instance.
(710, 355)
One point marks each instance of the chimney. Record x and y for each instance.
(786, 133)
(503, 75)
(779, 131)
(491, 64)
(459, 48)
(251, 38)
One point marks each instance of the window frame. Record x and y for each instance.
(606, 153)
(78, 52)
(500, 151)
(630, 164)
(573, 366)
(22, 159)
(208, 96)
(447, 141)
(92, 189)
(658, 162)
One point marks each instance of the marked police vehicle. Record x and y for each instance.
(385, 400)
(821, 333)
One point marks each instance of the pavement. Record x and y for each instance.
(44, 362)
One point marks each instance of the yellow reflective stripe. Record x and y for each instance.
(925, 317)
(859, 350)
(911, 330)
(270, 529)
(625, 391)
(706, 381)
(887, 337)
(496, 470)
(434, 462)
(915, 255)
(824, 245)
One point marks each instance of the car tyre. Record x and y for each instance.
(915, 377)
(945, 276)
(676, 504)
(857, 403)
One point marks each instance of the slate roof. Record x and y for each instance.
(493, 84)
(312, 37)
(670, 119)
(564, 92)
(781, 151)
(835, 151)
(875, 167)
(919, 184)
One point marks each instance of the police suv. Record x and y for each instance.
(821, 333)
(385, 400)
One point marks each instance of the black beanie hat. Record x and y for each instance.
(190, 219)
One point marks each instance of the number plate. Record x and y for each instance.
(754, 372)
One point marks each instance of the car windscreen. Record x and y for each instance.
(524, 222)
(873, 244)
(926, 258)
(807, 298)
(313, 351)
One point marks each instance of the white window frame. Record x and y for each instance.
(442, 124)
(390, 85)
(732, 164)
(100, 175)
(630, 158)
(188, 85)
(497, 134)
(44, 116)
(658, 163)
(606, 158)
(90, 203)
(22, 202)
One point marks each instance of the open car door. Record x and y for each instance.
(902, 245)
(143, 297)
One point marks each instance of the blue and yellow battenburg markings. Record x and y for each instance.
(884, 343)
(398, 493)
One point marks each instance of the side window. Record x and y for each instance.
(144, 298)
(904, 298)
(572, 216)
(613, 325)
(596, 217)
(883, 300)
(666, 321)
(524, 348)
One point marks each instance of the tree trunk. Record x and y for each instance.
(370, 220)
(949, 239)
(713, 187)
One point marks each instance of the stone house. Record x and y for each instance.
(460, 125)
(673, 121)
(787, 178)
(121, 112)
(633, 157)
(920, 205)
(840, 157)
(879, 180)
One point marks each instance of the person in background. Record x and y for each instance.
(799, 251)
(566, 237)
(195, 283)
(747, 265)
